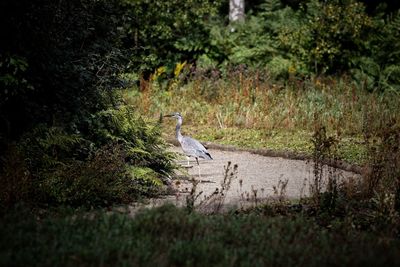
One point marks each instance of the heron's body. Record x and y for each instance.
(191, 147)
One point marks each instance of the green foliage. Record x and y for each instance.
(280, 67)
(103, 179)
(98, 181)
(161, 33)
(12, 80)
(325, 36)
(380, 70)
(46, 148)
(146, 177)
(71, 70)
(59, 72)
(317, 37)
(251, 43)
(168, 236)
(120, 160)
(142, 142)
(385, 43)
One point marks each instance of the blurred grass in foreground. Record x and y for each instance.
(169, 236)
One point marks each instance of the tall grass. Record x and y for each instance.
(249, 109)
(252, 101)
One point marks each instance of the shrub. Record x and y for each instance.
(164, 38)
(142, 142)
(121, 159)
(103, 179)
(327, 36)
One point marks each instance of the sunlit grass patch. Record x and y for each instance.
(350, 148)
(251, 112)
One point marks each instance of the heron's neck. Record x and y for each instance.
(178, 130)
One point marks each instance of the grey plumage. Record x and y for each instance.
(191, 147)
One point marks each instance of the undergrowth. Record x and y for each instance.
(119, 159)
(168, 236)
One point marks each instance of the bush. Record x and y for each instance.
(122, 159)
(142, 142)
(327, 36)
(253, 43)
(164, 38)
(102, 180)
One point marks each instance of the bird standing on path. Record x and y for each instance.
(191, 147)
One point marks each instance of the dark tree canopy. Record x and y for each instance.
(59, 56)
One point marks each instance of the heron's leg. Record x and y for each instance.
(187, 157)
(198, 165)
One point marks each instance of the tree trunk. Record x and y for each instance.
(236, 10)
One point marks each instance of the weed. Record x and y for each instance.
(280, 190)
(214, 202)
(193, 195)
(381, 182)
(324, 149)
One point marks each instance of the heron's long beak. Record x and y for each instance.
(169, 115)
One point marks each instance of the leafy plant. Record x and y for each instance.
(142, 142)
(162, 33)
(102, 180)
(381, 69)
(125, 161)
(327, 36)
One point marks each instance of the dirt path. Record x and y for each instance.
(258, 178)
(256, 175)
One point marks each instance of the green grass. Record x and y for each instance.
(350, 149)
(263, 114)
(169, 236)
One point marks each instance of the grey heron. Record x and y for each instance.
(190, 146)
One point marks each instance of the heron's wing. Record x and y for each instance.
(194, 148)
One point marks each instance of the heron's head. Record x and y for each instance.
(175, 115)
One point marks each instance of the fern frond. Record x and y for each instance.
(144, 175)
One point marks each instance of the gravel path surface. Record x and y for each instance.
(256, 175)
